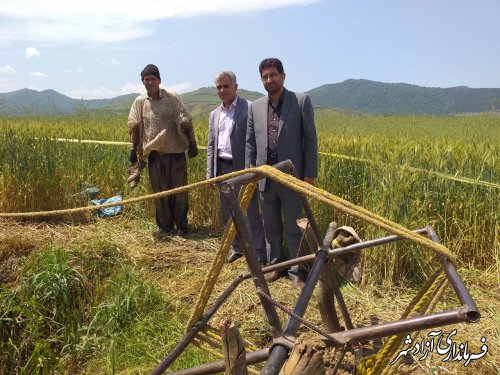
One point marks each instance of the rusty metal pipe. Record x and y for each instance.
(198, 326)
(279, 353)
(246, 241)
(455, 281)
(219, 366)
(461, 291)
(343, 250)
(402, 326)
(307, 291)
(371, 243)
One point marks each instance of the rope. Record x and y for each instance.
(419, 308)
(353, 210)
(211, 332)
(438, 293)
(75, 140)
(205, 341)
(286, 180)
(423, 302)
(369, 365)
(446, 176)
(245, 195)
(338, 156)
(160, 194)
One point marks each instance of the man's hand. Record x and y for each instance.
(193, 150)
(309, 180)
(133, 157)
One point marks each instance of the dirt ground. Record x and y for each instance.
(179, 267)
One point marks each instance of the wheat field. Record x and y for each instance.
(412, 170)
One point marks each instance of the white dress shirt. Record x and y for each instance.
(226, 123)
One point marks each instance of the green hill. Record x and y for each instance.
(50, 102)
(205, 99)
(401, 98)
(350, 96)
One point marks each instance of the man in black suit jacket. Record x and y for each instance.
(226, 153)
(280, 127)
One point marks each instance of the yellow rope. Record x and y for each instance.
(446, 176)
(211, 332)
(381, 363)
(338, 156)
(286, 180)
(438, 293)
(369, 365)
(160, 194)
(421, 303)
(353, 210)
(246, 193)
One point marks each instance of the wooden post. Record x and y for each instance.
(306, 357)
(233, 348)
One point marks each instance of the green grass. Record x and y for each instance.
(86, 307)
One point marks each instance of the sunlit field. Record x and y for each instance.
(389, 172)
(412, 170)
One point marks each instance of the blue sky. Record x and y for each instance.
(96, 49)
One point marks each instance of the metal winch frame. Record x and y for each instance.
(276, 355)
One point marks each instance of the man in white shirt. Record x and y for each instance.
(226, 153)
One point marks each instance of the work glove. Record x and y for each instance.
(193, 150)
(133, 157)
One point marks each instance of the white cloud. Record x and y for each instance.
(109, 21)
(102, 92)
(130, 88)
(77, 70)
(31, 52)
(8, 86)
(7, 69)
(38, 74)
(179, 88)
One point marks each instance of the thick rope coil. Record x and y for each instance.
(433, 301)
(426, 299)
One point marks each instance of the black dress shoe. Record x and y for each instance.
(234, 256)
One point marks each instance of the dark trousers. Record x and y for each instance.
(278, 201)
(168, 171)
(253, 214)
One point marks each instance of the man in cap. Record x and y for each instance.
(161, 131)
